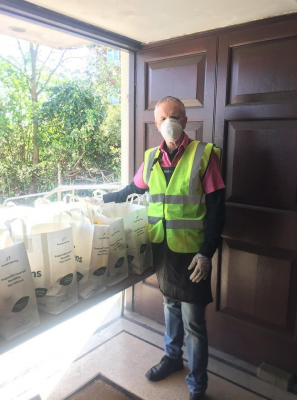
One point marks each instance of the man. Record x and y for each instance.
(186, 217)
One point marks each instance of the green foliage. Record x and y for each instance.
(15, 130)
(74, 125)
(79, 132)
(109, 154)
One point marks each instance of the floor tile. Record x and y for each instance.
(124, 359)
(125, 349)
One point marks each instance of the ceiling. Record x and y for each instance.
(154, 20)
(38, 34)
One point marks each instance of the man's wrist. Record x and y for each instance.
(205, 251)
(202, 255)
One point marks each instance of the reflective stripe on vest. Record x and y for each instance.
(156, 198)
(185, 224)
(195, 168)
(178, 224)
(150, 162)
(177, 199)
(154, 220)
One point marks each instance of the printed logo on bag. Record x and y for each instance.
(114, 232)
(20, 304)
(142, 248)
(40, 292)
(130, 258)
(8, 262)
(79, 276)
(103, 237)
(63, 241)
(36, 274)
(78, 259)
(120, 262)
(100, 271)
(66, 280)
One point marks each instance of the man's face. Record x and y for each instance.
(172, 110)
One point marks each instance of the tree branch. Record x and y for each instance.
(79, 159)
(69, 58)
(43, 64)
(51, 74)
(23, 56)
(14, 66)
(19, 69)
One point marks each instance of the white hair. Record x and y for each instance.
(171, 99)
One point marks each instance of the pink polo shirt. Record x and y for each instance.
(212, 179)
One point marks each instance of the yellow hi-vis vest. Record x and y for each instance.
(180, 206)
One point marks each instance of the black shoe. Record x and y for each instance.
(197, 396)
(166, 367)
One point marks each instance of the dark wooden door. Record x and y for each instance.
(255, 276)
(184, 69)
(253, 100)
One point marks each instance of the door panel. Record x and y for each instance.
(187, 71)
(272, 61)
(175, 74)
(259, 290)
(254, 313)
(260, 155)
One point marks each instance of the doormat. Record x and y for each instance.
(101, 388)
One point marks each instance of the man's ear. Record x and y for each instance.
(184, 123)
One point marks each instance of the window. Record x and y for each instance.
(113, 56)
(114, 100)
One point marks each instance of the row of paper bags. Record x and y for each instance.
(77, 250)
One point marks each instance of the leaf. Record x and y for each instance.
(66, 280)
(119, 263)
(100, 271)
(143, 248)
(40, 292)
(20, 304)
(79, 276)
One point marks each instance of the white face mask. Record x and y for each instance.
(171, 130)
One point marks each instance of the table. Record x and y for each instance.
(48, 321)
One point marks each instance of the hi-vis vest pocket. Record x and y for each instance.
(185, 240)
(156, 232)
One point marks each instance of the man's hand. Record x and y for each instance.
(201, 267)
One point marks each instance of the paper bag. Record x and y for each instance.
(135, 220)
(117, 263)
(46, 210)
(91, 249)
(51, 256)
(18, 307)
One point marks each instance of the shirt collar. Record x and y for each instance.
(184, 144)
